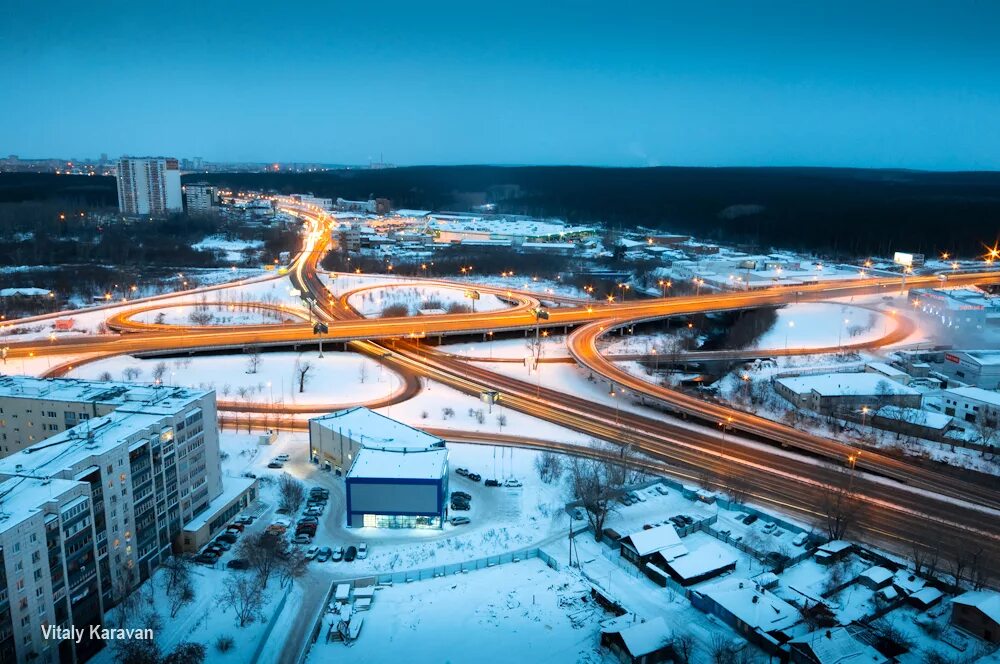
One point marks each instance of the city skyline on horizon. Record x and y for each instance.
(893, 86)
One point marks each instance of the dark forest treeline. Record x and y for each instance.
(829, 211)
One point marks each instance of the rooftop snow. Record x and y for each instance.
(845, 384)
(232, 487)
(374, 430)
(877, 574)
(23, 292)
(985, 357)
(647, 637)
(22, 498)
(976, 394)
(706, 558)
(397, 464)
(836, 645)
(76, 390)
(915, 416)
(986, 601)
(758, 609)
(68, 448)
(656, 539)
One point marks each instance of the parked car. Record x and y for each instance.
(475, 477)
(638, 497)
(225, 546)
(338, 554)
(662, 490)
(275, 464)
(492, 482)
(250, 475)
(464, 472)
(282, 510)
(626, 500)
(238, 563)
(237, 527)
(362, 550)
(282, 457)
(311, 552)
(307, 519)
(318, 493)
(302, 538)
(229, 537)
(800, 539)
(206, 558)
(460, 494)
(513, 484)
(750, 519)
(460, 507)
(769, 526)
(579, 514)
(246, 520)
(306, 529)
(459, 520)
(324, 554)
(313, 512)
(350, 554)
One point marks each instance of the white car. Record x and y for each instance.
(800, 539)
(283, 522)
(769, 526)
(362, 550)
(311, 552)
(513, 484)
(282, 457)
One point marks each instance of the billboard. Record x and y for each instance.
(906, 260)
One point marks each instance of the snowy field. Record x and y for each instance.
(521, 612)
(220, 314)
(232, 250)
(372, 303)
(337, 378)
(513, 348)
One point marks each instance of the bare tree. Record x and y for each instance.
(105, 376)
(302, 370)
(261, 550)
(985, 428)
(291, 492)
(131, 373)
(292, 567)
(363, 372)
(124, 596)
(840, 506)
(683, 645)
(159, 371)
(185, 652)
(244, 594)
(176, 570)
(596, 482)
(180, 596)
(253, 359)
(549, 466)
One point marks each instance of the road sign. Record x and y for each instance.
(472, 294)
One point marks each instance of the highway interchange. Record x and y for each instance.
(902, 503)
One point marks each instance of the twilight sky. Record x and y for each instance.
(848, 83)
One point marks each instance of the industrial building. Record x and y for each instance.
(972, 404)
(826, 393)
(149, 186)
(396, 476)
(978, 368)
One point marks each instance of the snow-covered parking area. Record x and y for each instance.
(518, 612)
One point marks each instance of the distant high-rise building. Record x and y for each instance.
(149, 186)
(201, 197)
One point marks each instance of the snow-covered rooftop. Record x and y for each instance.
(647, 637)
(986, 601)
(429, 464)
(23, 292)
(706, 558)
(877, 574)
(758, 609)
(836, 645)
(376, 431)
(846, 384)
(925, 418)
(976, 394)
(76, 390)
(661, 538)
(67, 449)
(22, 498)
(232, 487)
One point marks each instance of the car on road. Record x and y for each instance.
(275, 464)
(513, 484)
(302, 538)
(282, 457)
(362, 550)
(464, 472)
(238, 563)
(324, 554)
(459, 520)
(311, 552)
(492, 482)
(350, 554)
(338, 554)
(460, 494)
(750, 519)
(475, 477)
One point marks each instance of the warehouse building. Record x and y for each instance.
(826, 393)
(978, 368)
(396, 476)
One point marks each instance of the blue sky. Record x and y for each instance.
(874, 84)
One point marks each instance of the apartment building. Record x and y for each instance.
(200, 197)
(149, 186)
(48, 576)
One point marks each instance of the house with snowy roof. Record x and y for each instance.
(757, 614)
(978, 612)
(638, 643)
(835, 645)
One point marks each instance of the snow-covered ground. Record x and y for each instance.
(221, 314)
(372, 303)
(513, 348)
(336, 378)
(233, 250)
(521, 612)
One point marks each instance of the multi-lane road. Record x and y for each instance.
(903, 504)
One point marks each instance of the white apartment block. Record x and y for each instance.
(149, 186)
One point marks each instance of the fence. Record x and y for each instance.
(270, 624)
